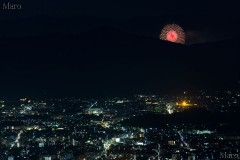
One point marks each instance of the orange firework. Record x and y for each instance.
(173, 33)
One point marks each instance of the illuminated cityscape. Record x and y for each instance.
(175, 127)
(119, 80)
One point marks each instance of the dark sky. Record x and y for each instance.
(112, 47)
(203, 20)
(125, 9)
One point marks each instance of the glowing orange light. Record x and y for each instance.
(184, 103)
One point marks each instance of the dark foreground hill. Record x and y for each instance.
(107, 61)
(196, 117)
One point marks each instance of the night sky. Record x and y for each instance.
(94, 48)
(203, 21)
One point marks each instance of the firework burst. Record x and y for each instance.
(173, 33)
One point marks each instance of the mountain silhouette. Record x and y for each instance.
(110, 60)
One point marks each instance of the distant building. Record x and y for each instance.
(41, 145)
(95, 111)
(28, 107)
(66, 156)
(10, 157)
